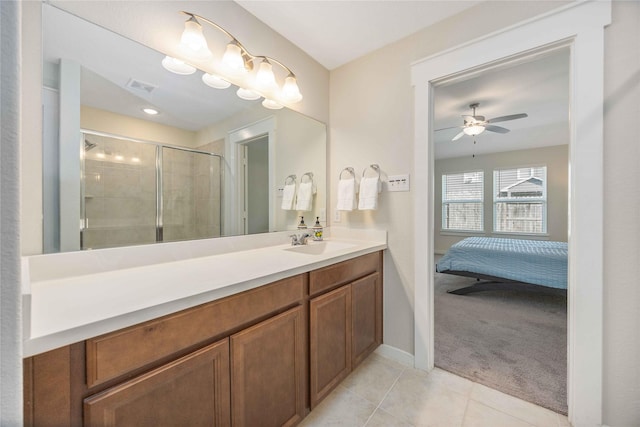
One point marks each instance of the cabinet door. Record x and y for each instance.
(267, 372)
(366, 303)
(192, 391)
(330, 342)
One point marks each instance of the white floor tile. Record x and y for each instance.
(479, 415)
(381, 418)
(373, 378)
(342, 408)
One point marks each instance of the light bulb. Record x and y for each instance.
(215, 81)
(247, 94)
(265, 79)
(192, 36)
(290, 90)
(177, 66)
(232, 58)
(270, 104)
(473, 130)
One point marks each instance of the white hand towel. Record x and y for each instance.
(305, 193)
(368, 199)
(346, 194)
(288, 195)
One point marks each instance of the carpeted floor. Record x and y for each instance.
(513, 339)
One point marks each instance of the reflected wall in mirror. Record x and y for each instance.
(208, 164)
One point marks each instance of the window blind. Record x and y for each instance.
(462, 201)
(520, 200)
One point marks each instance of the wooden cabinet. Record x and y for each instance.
(258, 358)
(267, 372)
(345, 325)
(191, 391)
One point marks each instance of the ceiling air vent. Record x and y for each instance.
(141, 86)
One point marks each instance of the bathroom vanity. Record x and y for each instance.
(265, 354)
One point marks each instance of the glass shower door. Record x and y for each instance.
(191, 195)
(119, 193)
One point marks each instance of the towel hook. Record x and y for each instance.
(308, 175)
(373, 166)
(290, 177)
(348, 169)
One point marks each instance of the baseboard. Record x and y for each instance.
(396, 354)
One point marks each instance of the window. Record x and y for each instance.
(462, 200)
(520, 200)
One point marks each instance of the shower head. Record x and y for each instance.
(89, 145)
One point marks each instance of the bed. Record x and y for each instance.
(498, 260)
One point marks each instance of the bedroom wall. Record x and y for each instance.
(372, 121)
(556, 159)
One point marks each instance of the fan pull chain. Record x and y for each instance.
(473, 156)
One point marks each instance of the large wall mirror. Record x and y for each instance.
(208, 164)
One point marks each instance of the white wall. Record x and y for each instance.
(622, 218)
(371, 122)
(555, 158)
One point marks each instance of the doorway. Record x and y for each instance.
(254, 159)
(507, 184)
(581, 26)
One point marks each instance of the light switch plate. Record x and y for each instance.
(398, 183)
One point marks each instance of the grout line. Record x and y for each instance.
(385, 396)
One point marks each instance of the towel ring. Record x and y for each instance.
(373, 166)
(308, 175)
(290, 177)
(348, 169)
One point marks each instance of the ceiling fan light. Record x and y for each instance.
(473, 130)
(247, 94)
(214, 81)
(271, 104)
(177, 66)
(290, 90)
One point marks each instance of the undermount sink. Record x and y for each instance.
(320, 248)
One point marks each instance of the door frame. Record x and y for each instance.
(581, 26)
(234, 193)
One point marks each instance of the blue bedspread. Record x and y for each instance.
(530, 261)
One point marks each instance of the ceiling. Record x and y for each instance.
(349, 29)
(537, 86)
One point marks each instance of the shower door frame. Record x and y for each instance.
(159, 179)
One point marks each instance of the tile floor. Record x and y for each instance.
(383, 392)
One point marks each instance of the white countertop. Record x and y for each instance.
(70, 297)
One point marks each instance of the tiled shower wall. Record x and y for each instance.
(120, 194)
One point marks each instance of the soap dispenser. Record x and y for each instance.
(302, 225)
(317, 230)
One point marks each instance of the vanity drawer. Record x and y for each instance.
(334, 275)
(117, 353)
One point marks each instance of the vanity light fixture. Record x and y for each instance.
(238, 63)
(177, 66)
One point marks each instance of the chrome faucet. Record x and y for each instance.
(297, 240)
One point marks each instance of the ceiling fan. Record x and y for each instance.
(475, 125)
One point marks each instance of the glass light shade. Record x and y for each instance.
(290, 90)
(177, 66)
(247, 94)
(270, 104)
(192, 35)
(215, 81)
(265, 79)
(232, 59)
(473, 130)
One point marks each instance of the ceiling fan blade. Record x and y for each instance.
(452, 127)
(498, 129)
(510, 117)
(458, 136)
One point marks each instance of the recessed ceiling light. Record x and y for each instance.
(150, 111)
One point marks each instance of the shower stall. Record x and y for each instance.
(135, 192)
